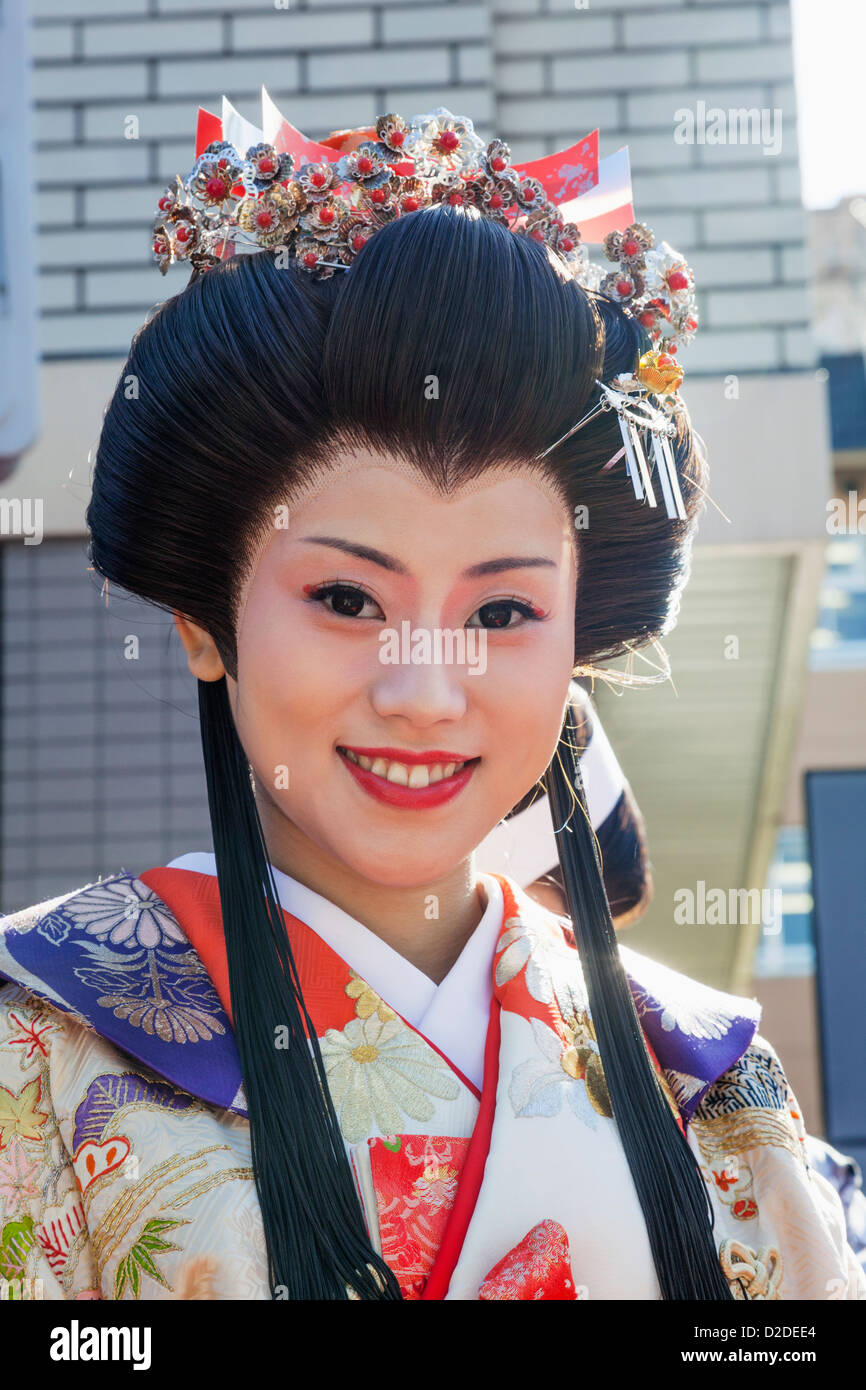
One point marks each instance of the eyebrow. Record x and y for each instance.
(387, 562)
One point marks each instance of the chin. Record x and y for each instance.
(403, 869)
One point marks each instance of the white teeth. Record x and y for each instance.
(416, 775)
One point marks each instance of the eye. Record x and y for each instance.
(346, 600)
(500, 612)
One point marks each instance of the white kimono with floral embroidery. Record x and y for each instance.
(124, 1145)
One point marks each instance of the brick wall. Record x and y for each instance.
(628, 66)
(539, 74)
(102, 765)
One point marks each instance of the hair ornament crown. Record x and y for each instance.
(320, 202)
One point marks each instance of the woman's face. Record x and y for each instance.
(403, 664)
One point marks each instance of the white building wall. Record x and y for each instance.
(539, 74)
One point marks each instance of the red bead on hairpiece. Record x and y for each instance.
(325, 201)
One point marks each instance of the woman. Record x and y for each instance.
(333, 1060)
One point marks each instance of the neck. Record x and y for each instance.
(427, 925)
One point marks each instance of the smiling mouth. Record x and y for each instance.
(413, 775)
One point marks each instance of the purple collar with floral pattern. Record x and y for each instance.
(113, 955)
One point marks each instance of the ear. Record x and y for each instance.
(203, 659)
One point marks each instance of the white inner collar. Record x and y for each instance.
(453, 1014)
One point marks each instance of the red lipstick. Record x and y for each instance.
(403, 755)
(409, 798)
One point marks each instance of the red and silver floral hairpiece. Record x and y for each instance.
(320, 202)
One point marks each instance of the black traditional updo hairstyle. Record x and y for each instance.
(250, 377)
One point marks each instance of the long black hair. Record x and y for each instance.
(247, 381)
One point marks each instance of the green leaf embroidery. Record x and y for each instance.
(140, 1259)
(127, 1273)
(16, 1242)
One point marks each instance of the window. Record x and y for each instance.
(790, 951)
(839, 639)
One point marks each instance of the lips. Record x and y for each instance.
(408, 779)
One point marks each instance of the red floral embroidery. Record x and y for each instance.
(539, 1267)
(724, 1180)
(56, 1236)
(415, 1178)
(31, 1035)
(92, 1160)
(733, 1182)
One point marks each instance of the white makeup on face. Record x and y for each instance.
(392, 759)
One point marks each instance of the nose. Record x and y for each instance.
(423, 693)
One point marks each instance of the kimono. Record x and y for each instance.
(524, 845)
(493, 1174)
